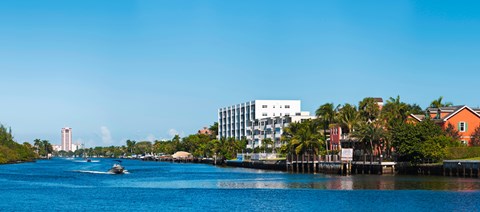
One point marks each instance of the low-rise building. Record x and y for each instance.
(462, 118)
(205, 131)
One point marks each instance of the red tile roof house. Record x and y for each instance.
(205, 131)
(463, 118)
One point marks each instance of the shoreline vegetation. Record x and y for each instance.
(379, 134)
(13, 152)
(375, 133)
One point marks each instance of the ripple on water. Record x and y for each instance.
(54, 185)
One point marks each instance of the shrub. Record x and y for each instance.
(462, 152)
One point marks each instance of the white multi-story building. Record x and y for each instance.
(237, 120)
(67, 139)
(272, 128)
(57, 147)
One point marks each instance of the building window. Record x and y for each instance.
(287, 106)
(264, 106)
(462, 126)
(264, 114)
(287, 114)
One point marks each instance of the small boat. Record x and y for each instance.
(117, 168)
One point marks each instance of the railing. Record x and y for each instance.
(319, 158)
(345, 136)
(256, 156)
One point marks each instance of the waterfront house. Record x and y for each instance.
(415, 118)
(336, 137)
(205, 131)
(463, 118)
(339, 137)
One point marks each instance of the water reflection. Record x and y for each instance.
(362, 182)
(60, 173)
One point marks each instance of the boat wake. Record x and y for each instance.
(91, 172)
(84, 161)
(98, 172)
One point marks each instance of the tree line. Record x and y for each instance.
(377, 132)
(199, 145)
(372, 131)
(11, 151)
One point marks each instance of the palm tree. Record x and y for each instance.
(302, 138)
(372, 134)
(326, 113)
(130, 145)
(267, 142)
(369, 109)
(348, 116)
(437, 103)
(394, 112)
(214, 130)
(45, 144)
(37, 143)
(287, 136)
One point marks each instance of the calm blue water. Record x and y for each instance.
(73, 185)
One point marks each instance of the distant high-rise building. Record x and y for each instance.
(67, 139)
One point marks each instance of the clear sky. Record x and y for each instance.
(144, 70)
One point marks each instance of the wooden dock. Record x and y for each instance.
(331, 164)
(461, 168)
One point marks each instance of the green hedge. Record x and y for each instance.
(462, 152)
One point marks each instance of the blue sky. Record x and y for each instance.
(143, 70)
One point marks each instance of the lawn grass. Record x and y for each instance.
(475, 158)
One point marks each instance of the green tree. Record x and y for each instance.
(267, 144)
(143, 147)
(420, 142)
(130, 145)
(326, 113)
(348, 116)
(394, 112)
(37, 144)
(302, 138)
(47, 146)
(415, 109)
(438, 103)
(11, 151)
(369, 109)
(371, 135)
(452, 132)
(214, 130)
(475, 140)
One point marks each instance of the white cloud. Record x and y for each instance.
(106, 136)
(151, 138)
(85, 143)
(172, 133)
(79, 142)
